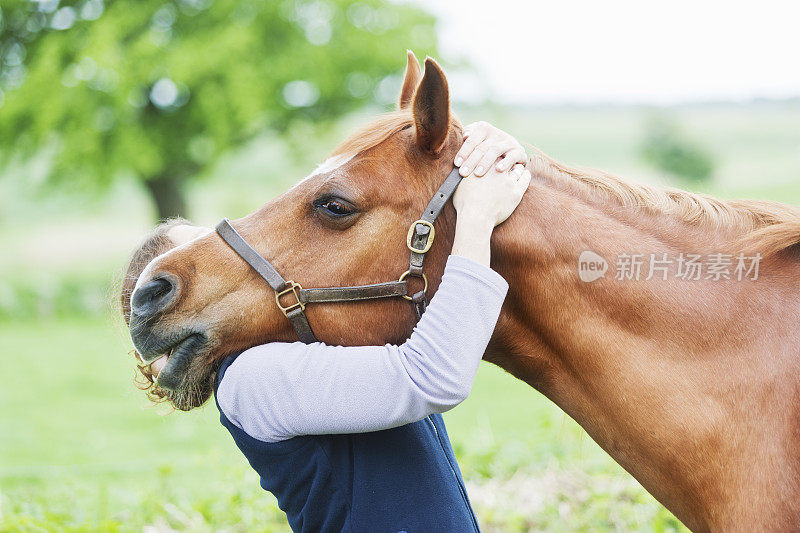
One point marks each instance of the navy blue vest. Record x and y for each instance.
(404, 479)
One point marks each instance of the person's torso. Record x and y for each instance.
(400, 479)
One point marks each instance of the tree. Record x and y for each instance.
(158, 89)
(667, 148)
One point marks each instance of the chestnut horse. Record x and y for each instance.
(690, 383)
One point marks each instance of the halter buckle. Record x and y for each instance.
(412, 230)
(424, 280)
(295, 289)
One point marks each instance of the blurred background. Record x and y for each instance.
(115, 114)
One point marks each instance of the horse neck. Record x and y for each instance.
(667, 376)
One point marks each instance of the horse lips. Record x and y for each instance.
(158, 365)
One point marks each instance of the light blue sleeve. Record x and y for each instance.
(280, 390)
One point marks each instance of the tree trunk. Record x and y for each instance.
(166, 190)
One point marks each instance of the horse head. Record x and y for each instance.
(345, 224)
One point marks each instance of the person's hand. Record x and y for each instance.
(484, 146)
(481, 204)
(492, 198)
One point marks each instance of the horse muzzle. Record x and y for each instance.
(153, 339)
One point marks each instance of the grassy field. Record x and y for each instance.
(81, 450)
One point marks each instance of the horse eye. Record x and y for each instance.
(334, 207)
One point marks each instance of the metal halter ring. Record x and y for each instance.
(294, 288)
(412, 231)
(424, 279)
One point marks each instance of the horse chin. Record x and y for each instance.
(192, 393)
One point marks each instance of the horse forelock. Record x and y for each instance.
(379, 130)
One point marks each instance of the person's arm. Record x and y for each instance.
(279, 390)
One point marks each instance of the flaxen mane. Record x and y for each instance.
(767, 227)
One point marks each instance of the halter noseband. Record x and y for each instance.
(419, 241)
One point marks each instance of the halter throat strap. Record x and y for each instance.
(419, 241)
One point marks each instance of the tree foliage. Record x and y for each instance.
(669, 150)
(160, 88)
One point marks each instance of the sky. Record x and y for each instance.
(621, 51)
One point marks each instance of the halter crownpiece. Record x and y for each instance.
(419, 240)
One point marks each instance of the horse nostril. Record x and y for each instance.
(153, 296)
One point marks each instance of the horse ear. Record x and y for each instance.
(410, 82)
(432, 108)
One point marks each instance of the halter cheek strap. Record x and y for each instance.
(419, 240)
(421, 235)
(295, 312)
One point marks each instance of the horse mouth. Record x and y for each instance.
(177, 365)
(172, 364)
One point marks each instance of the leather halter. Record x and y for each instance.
(419, 240)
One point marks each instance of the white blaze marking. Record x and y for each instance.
(329, 165)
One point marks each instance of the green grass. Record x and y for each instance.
(82, 450)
